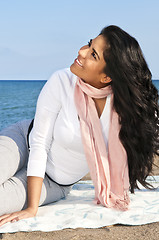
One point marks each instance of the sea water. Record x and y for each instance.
(18, 100)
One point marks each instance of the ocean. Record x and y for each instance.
(18, 100)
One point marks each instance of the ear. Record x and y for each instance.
(105, 79)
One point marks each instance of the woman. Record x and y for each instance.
(103, 109)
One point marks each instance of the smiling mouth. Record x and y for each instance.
(78, 62)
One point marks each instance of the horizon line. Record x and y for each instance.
(23, 79)
(41, 79)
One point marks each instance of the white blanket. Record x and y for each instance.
(78, 210)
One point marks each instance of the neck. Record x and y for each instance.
(99, 86)
(94, 92)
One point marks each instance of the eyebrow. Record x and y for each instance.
(94, 50)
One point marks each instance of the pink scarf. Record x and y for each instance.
(109, 171)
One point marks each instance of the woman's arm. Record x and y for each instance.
(34, 192)
(41, 137)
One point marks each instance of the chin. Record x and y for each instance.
(71, 68)
(74, 70)
(78, 72)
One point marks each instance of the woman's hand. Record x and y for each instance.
(16, 216)
(34, 191)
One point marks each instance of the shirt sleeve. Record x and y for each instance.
(41, 136)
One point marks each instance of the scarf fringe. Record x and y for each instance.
(122, 204)
(116, 202)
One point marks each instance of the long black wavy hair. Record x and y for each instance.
(135, 101)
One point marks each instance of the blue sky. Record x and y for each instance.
(38, 37)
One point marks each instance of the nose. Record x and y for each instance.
(83, 51)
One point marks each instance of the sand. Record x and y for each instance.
(145, 232)
(116, 232)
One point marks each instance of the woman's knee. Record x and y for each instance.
(13, 193)
(9, 158)
(14, 137)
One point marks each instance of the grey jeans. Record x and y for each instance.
(13, 172)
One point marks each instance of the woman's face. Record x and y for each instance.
(90, 63)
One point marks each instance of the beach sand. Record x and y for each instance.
(116, 232)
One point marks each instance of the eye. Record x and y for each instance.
(89, 45)
(94, 55)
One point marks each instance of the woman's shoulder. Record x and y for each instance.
(61, 82)
(63, 77)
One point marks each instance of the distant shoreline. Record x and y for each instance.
(34, 80)
(29, 80)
